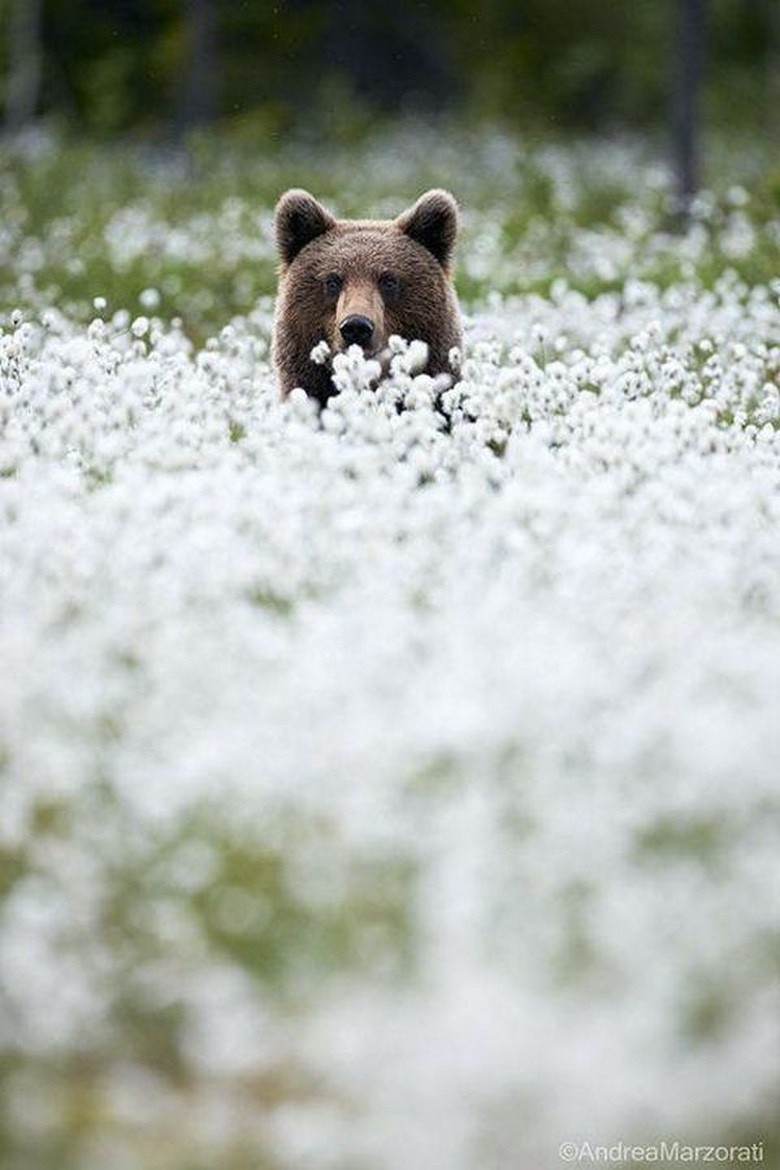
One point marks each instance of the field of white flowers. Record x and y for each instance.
(387, 789)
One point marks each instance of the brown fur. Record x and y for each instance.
(394, 275)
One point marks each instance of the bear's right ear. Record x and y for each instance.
(298, 219)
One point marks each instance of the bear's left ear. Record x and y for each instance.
(432, 222)
(298, 220)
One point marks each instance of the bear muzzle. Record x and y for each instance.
(357, 330)
(360, 317)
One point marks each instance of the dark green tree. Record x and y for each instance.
(25, 54)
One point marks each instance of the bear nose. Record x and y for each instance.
(357, 330)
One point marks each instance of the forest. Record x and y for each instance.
(163, 66)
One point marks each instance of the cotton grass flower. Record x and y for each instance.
(412, 767)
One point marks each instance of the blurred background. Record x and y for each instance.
(165, 66)
(367, 104)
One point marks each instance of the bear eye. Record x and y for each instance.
(333, 284)
(389, 285)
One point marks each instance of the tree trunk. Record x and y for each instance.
(24, 63)
(773, 69)
(198, 104)
(691, 22)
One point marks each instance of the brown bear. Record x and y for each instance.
(358, 282)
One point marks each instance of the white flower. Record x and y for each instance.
(321, 352)
(149, 299)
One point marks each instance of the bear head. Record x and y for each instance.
(359, 282)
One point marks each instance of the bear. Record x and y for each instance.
(359, 282)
